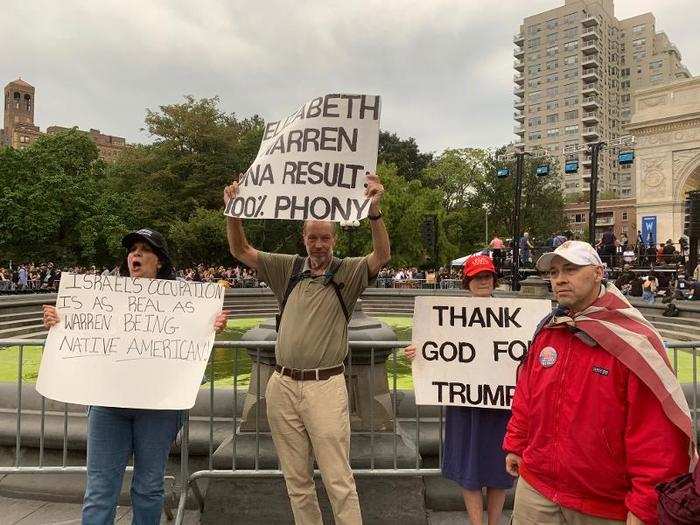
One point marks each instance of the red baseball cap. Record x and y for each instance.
(477, 264)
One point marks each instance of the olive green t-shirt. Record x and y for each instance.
(313, 329)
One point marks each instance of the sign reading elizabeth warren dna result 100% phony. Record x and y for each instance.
(313, 163)
(468, 349)
(129, 343)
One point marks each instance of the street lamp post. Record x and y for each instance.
(519, 156)
(593, 199)
(486, 218)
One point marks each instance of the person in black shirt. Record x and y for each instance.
(607, 244)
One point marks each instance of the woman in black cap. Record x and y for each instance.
(114, 434)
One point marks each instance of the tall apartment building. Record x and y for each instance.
(19, 130)
(576, 67)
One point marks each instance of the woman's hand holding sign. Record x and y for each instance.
(220, 321)
(410, 352)
(51, 317)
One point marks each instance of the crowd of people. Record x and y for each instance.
(32, 277)
(614, 252)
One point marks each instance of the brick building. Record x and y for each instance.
(620, 214)
(19, 130)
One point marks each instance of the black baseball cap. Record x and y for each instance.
(153, 238)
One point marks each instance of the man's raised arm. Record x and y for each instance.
(381, 248)
(237, 242)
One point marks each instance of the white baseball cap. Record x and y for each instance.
(576, 252)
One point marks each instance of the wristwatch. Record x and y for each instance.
(375, 217)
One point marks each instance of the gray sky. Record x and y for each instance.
(443, 67)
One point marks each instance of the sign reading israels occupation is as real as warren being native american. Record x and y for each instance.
(313, 163)
(129, 343)
(468, 349)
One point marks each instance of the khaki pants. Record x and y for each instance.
(532, 508)
(307, 419)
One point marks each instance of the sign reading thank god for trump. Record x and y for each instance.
(313, 163)
(129, 343)
(468, 349)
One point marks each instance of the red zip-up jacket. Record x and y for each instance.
(592, 436)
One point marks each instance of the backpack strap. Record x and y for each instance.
(337, 287)
(294, 279)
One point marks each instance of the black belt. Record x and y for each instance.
(314, 374)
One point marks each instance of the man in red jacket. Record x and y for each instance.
(598, 416)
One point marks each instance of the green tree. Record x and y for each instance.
(54, 206)
(455, 172)
(197, 150)
(200, 238)
(404, 154)
(542, 203)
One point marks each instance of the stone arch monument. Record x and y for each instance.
(666, 126)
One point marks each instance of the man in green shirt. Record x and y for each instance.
(307, 400)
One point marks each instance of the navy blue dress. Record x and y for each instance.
(473, 456)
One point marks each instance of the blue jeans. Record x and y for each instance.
(648, 296)
(114, 434)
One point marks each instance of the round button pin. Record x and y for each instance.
(548, 356)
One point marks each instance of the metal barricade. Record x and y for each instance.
(450, 284)
(236, 346)
(680, 353)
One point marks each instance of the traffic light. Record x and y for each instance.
(571, 166)
(428, 230)
(542, 170)
(502, 173)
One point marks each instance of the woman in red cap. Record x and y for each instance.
(472, 455)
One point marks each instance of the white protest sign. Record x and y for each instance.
(313, 163)
(129, 343)
(468, 349)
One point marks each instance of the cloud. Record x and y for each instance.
(443, 67)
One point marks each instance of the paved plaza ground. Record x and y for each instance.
(29, 512)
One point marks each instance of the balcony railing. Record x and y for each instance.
(589, 76)
(591, 62)
(590, 116)
(590, 88)
(589, 49)
(591, 34)
(590, 102)
(589, 21)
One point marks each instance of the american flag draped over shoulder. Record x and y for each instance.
(619, 328)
